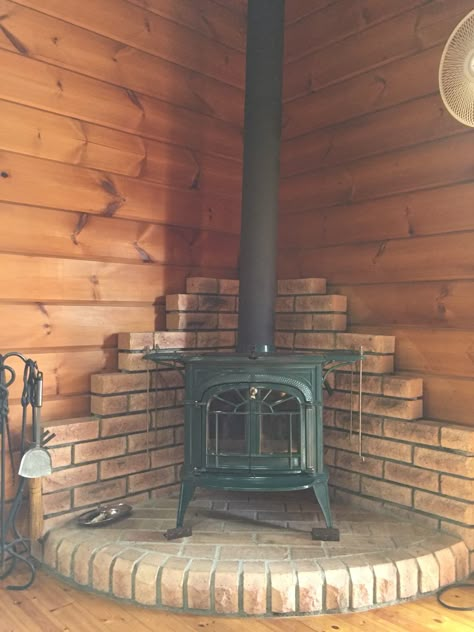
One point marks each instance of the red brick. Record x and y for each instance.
(140, 441)
(458, 438)
(337, 584)
(370, 344)
(376, 405)
(228, 286)
(328, 322)
(321, 303)
(57, 502)
(407, 573)
(344, 479)
(419, 431)
(122, 572)
(198, 584)
(80, 429)
(284, 340)
(123, 425)
(60, 457)
(214, 303)
(70, 477)
(145, 578)
(172, 582)
(386, 448)
(445, 462)
(152, 478)
(429, 570)
(82, 558)
(370, 425)
(445, 507)
(310, 583)
(315, 341)
(175, 340)
(135, 340)
(152, 399)
(362, 582)
(215, 339)
(447, 566)
(461, 558)
(98, 450)
(202, 285)
(99, 492)
(191, 321)
(167, 456)
(285, 304)
(293, 322)
(386, 491)
(113, 405)
(283, 587)
(462, 488)
(401, 386)
(123, 465)
(134, 362)
(101, 565)
(227, 321)
(378, 364)
(254, 588)
(413, 476)
(385, 574)
(226, 587)
(116, 382)
(181, 302)
(301, 286)
(354, 463)
(370, 383)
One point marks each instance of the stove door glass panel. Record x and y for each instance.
(254, 428)
(227, 423)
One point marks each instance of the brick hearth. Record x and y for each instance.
(415, 468)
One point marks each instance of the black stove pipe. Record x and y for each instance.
(261, 172)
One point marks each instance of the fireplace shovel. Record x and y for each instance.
(35, 463)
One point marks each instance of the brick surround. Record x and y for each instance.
(411, 466)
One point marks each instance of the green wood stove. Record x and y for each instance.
(253, 419)
(255, 423)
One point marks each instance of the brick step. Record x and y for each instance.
(256, 572)
(112, 382)
(389, 385)
(201, 303)
(204, 285)
(311, 322)
(312, 303)
(376, 405)
(176, 340)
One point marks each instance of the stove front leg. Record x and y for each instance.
(185, 496)
(320, 489)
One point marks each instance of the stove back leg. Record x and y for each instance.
(185, 496)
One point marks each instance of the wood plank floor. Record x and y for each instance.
(51, 606)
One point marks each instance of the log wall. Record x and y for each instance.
(120, 146)
(377, 189)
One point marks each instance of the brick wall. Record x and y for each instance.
(408, 465)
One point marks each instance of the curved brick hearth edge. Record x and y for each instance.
(236, 565)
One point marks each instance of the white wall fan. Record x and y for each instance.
(456, 72)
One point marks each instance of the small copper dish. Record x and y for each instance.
(104, 515)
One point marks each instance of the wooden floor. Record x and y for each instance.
(51, 606)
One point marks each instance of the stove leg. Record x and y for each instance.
(322, 496)
(185, 496)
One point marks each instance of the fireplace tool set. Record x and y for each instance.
(35, 463)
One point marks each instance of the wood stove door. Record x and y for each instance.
(255, 427)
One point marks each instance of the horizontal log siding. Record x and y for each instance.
(377, 185)
(120, 149)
